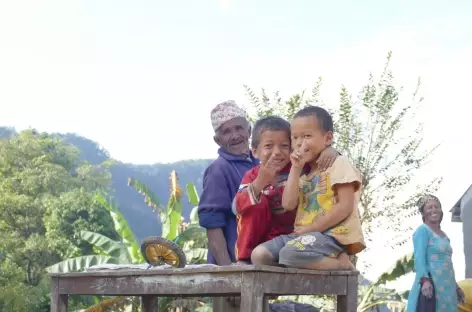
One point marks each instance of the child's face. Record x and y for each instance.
(276, 144)
(307, 129)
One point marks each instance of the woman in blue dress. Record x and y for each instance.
(433, 263)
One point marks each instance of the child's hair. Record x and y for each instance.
(269, 123)
(324, 118)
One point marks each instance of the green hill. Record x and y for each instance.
(141, 218)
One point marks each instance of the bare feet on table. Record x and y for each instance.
(345, 263)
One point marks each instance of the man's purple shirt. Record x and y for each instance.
(221, 181)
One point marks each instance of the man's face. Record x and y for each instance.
(233, 136)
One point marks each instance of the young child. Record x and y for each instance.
(258, 203)
(327, 225)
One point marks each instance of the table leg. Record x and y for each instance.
(58, 301)
(149, 303)
(252, 295)
(348, 302)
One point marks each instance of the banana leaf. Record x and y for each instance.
(192, 194)
(149, 197)
(171, 220)
(194, 236)
(80, 263)
(196, 255)
(108, 246)
(401, 267)
(123, 229)
(191, 233)
(194, 216)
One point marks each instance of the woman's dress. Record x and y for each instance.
(433, 258)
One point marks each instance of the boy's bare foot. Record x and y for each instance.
(345, 263)
(240, 262)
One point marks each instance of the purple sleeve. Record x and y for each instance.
(215, 202)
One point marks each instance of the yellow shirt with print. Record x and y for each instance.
(317, 196)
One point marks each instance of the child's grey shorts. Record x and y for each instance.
(301, 251)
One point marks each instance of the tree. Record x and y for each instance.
(45, 200)
(372, 132)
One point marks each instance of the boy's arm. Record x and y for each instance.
(340, 211)
(291, 194)
(345, 182)
(248, 195)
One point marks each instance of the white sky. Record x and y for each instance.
(141, 77)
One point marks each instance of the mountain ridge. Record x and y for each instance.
(142, 220)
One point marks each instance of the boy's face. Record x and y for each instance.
(276, 144)
(307, 129)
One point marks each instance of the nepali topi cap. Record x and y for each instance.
(224, 112)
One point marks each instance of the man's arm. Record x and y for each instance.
(218, 247)
(215, 203)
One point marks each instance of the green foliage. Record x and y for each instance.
(108, 251)
(46, 199)
(123, 229)
(375, 295)
(189, 236)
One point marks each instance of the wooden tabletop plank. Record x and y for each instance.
(200, 270)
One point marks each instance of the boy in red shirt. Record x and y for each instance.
(258, 203)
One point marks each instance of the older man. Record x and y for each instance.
(222, 178)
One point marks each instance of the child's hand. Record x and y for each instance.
(298, 157)
(267, 175)
(303, 230)
(326, 158)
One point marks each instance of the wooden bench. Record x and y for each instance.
(253, 283)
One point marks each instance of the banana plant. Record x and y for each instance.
(110, 251)
(376, 296)
(189, 236)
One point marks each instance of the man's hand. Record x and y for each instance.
(267, 175)
(298, 156)
(303, 230)
(427, 289)
(326, 158)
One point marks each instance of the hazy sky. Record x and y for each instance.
(140, 77)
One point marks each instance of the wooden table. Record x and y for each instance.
(251, 282)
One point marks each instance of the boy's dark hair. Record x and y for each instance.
(324, 118)
(271, 123)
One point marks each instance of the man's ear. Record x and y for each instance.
(215, 138)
